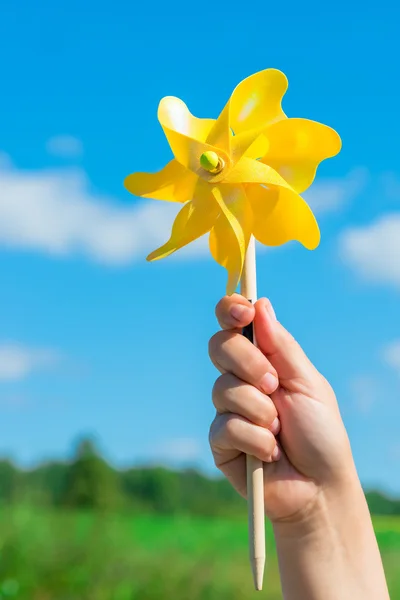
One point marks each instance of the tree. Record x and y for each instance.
(9, 477)
(90, 481)
(44, 484)
(379, 504)
(156, 488)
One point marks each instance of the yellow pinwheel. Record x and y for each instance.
(240, 174)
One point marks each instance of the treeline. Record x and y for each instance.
(89, 482)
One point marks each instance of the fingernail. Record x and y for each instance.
(268, 383)
(275, 426)
(276, 454)
(270, 310)
(238, 311)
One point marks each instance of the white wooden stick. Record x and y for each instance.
(255, 471)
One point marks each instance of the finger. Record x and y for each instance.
(231, 395)
(234, 312)
(233, 353)
(231, 435)
(282, 350)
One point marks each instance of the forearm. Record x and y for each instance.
(332, 554)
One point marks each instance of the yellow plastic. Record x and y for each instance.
(281, 215)
(240, 174)
(196, 218)
(231, 233)
(296, 148)
(173, 183)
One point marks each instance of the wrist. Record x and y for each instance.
(332, 507)
(332, 542)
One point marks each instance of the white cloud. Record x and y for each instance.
(180, 450)
(58, 213)
(373, 251)
(391, 355)
(66, 146)
(331, 194)
(364, 390)
(18, 362)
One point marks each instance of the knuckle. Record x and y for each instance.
(268, 416)
(214, 452)
(219, 390)
(213, 431)
(258, 366)
(216, 341)
(259, 408)
(257, 363)
(218, 307)
(264, 446)
(231, 426)
(270, 411)
(222, 311)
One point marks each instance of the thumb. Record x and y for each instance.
(294, 369)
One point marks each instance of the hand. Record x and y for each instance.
(272, 403)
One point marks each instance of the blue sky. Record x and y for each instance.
(95, 340)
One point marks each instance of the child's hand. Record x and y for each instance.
(254, 410)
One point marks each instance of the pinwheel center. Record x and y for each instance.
(211, 162)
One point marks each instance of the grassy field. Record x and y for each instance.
(61, 556)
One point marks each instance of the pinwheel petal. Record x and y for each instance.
(254, 104)
(174, 183)
(221, 132)
(194, 220)
(256, 101)
(248, 170)
(185, 133)
(251, 144)
(230, 235)
(296, 148)
(174, 114)
(281, 215)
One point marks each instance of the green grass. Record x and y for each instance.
(53, 555)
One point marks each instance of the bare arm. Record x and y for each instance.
(332, 554)
(272, 403)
